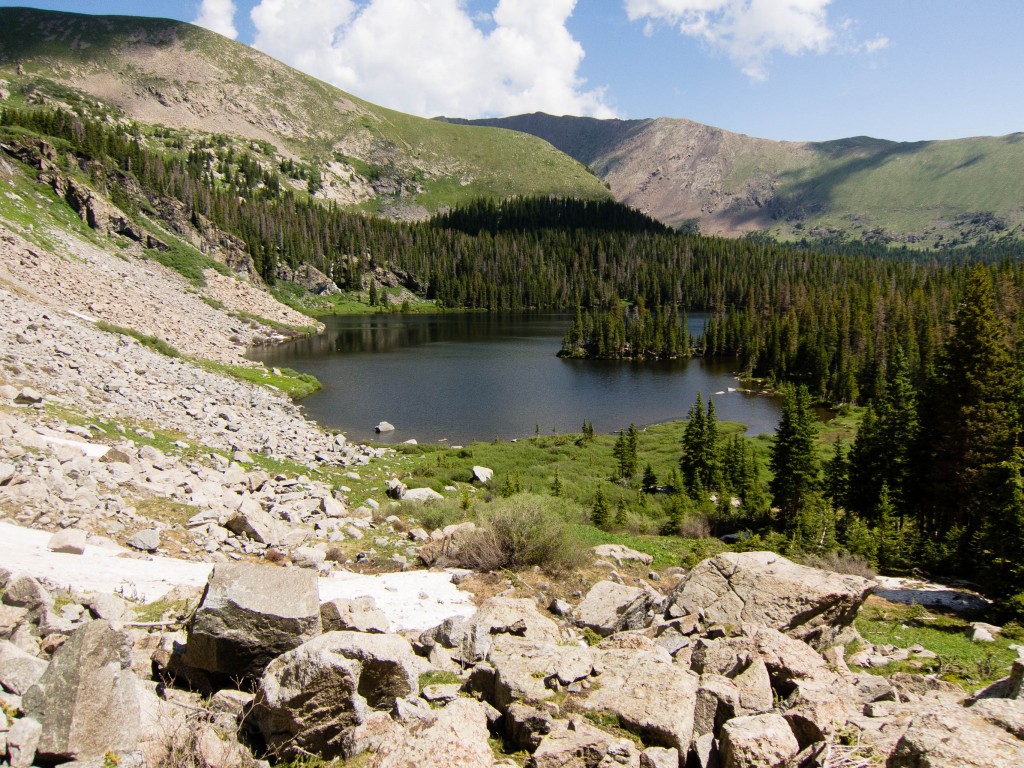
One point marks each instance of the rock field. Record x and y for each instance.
(130, 477)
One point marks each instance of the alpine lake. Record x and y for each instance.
(455, 378)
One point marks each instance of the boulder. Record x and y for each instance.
(526, 726)
(253, 522)
(453, 737)
(312, 698)
(384, 426)
(659, 757)
(28, 396)
(308, 557)
(19, 670)
(610, 607)
(422, 494)
(23, 591)
(358, 614)
(737, 588)
(575, 743)
(250, 614)
(395, 488)
(70, 541)
(483, 475)
(87, 699)
(717, 701)
(757, 741)
(530, 670)
(956, 738)
(470, 639)
(146, 540)
(23, 741)
(619, 553)
(652, 697)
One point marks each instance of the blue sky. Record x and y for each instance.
(781, 69)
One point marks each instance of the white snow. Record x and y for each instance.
(414, 600)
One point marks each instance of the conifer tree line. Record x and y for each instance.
(829, 321)
(933, 479)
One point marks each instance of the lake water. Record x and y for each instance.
(465, 377)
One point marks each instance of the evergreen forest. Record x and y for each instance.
(927, 344)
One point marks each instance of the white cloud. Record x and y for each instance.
(750, 31)
(219, 16)
(432, 57)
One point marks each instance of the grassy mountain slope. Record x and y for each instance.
(930, 192)
(169, 73)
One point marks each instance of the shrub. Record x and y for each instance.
(519, 532)
(695, 526)
(841, 562)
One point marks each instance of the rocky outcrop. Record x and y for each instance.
(87, 699)
(309, 277)
(311, 700)
(453, 737)
(470, 640)
(610, 607)
(650, 695)
(249, 615)
(766, 588)
(955, 739)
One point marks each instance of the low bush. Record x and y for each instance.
(519, 532)
(841, 562)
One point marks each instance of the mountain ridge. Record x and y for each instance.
(943, 192)
(164, 72)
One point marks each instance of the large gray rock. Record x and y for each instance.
(575, 743)
(314, 697)
(955, 739)
(254, 523)
(610, 607)
(146, 540)
(23, 741)
(470, 639)
(23, 591)
(359, 614)
(765, 588)
(249, 615)
(757, 741)
(71, 541)
(531, 670)
(453, 737)
(653, 697)
(19, 670)
(87, 700)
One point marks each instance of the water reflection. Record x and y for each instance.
(476, 376)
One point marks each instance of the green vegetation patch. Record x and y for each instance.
(153, 342)
(959, 660)
(294, 384)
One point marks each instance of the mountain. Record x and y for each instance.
(681, 172)
(168, 73)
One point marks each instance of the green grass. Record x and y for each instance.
(186, 260)
(294, 384)
(960, 661)
(153, 342)
(344, 303)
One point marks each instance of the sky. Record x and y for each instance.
(906, 70)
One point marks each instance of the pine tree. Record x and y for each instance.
(620, 514)
(971, 422)
(650, 480)
(599, 510)
(700, 461)
(793, 463)
(556, 485)
(836, 472)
